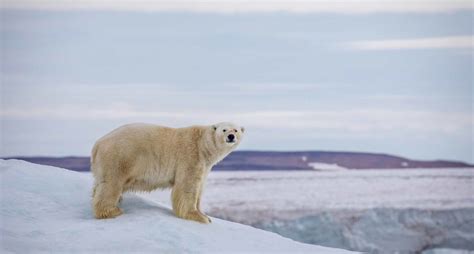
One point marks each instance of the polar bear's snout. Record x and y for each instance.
(230, 138)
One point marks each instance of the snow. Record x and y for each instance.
(447, 251)
(47, 209)
(325, 166)
(405, 211)
(382, 230)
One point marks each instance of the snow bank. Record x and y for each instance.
(47, 209)
(383, 230)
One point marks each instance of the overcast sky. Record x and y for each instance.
(385, 76)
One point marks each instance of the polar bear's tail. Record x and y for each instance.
(93, 155)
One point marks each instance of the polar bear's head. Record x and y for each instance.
(228, 134)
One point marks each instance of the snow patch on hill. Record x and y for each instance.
(47, 209)
(325, 166)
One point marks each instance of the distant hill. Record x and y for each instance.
(261, 160)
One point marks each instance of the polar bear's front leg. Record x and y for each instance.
(199, 204)
(185, 196)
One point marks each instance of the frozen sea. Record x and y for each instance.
(379, 211)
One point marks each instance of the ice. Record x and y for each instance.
(385, 211)
(47, 209)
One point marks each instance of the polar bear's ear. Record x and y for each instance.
(242, 129)
(214, 127)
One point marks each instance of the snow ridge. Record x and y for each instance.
(47, 209)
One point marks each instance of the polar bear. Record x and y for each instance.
(144, 157)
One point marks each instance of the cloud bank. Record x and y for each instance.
(355, 121)
(448, 42)
(236, 6)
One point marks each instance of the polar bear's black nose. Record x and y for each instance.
(231, 137)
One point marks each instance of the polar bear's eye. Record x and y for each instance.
(224, 130)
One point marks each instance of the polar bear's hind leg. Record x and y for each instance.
(106, 199)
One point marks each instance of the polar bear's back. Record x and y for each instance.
(135, 130)
(134, 140)
(144, 149)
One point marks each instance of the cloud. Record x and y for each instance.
(238, 6)
(449, 42)
(362, 121)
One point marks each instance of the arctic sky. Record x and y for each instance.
(385, 76)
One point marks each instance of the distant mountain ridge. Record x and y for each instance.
(272, 160)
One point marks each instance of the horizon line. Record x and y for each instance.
(271, 151)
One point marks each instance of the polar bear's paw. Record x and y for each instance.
(108, 213)
(208, 218)
(197, 216)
